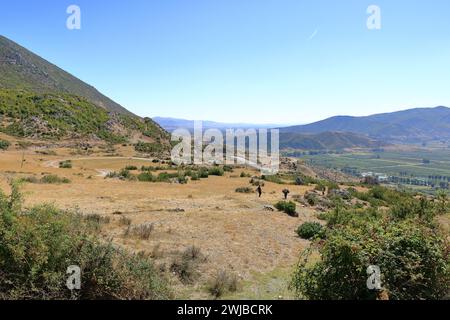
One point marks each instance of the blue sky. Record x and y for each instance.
(267, 61)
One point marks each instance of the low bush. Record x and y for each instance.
(131, 168)
(273, 178)
(203, 173)
(124, 221)
(4, 145)
(244, 190)
(30, 179)
(146, 177)
(53, 179)
(98, 219)
(287, 207)
(412, 254)
(216, 171)
(182, 178)
(245, 175)
(312, 199)
(222, 283)
(193, 253)
(256, 182)
(310, 230)
(65, 164)
(227, 168)
(145, 147)
(123, 174)
(185, 265)
(142, 231)
(299, 181)
(39, 244)
(194, 176)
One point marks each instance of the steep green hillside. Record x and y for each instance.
(64, 116)
(22, 69)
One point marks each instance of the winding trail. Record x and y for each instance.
(101, 172)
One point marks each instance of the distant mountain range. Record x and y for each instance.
(171, 124)
(343, 132)
(327, 141)
(409, 126)
(41, 101)
(321, 141)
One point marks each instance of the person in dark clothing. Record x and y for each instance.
(286, 193)
(259, 190)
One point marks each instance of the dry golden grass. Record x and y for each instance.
(233, 230)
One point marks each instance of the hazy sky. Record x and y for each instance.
(271, 61)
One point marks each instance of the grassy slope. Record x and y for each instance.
(57, 116)
(22, 69)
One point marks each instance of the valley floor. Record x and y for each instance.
(235, 232)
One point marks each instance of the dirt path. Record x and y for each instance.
(55, 163)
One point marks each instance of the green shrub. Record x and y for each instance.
(244, 190)
(443, 203)
(287, 207)
(227, 168)
(131, 168)
(310, 230)
(195, 176)
(39, 244)
(125, 174)
(273, 178)
(203, 173)
(65, 164)
(182, 179)
(412, 255)
(299, 181)
(256, 182)
(145, 147)
(216, 171)
(331, 186)
(4, 145)
(167, 177)
(146, 177)
(311, 198)
(409, 208)
(245, 175)
(53, 179)
(30, 179)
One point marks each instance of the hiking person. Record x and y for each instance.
(286, 192)
(259, 190)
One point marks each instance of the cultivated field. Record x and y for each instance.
(395, 162)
